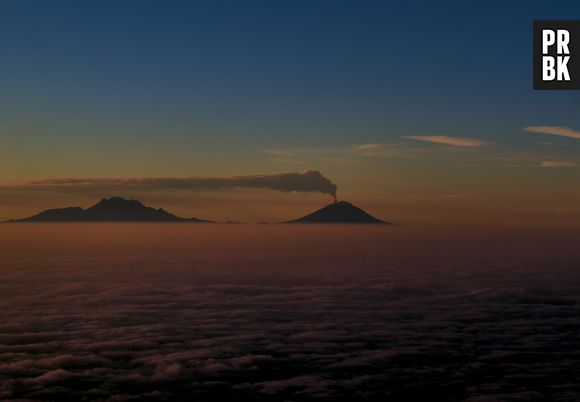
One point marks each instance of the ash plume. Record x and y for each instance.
(306, 181)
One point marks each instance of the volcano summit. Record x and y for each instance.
(339, 212)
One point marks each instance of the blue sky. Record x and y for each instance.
(281, 73)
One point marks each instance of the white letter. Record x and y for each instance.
(563, 40)
(548, 39)
(563, 68)
(548, 72)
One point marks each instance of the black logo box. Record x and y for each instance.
(573, 27)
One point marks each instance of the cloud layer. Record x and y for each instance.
(554, 130)
(229, 327)
(557, 164)
(464, 142)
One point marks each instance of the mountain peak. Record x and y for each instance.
(112, 209)
(339, 212)
(117, 200)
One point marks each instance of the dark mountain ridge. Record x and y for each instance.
(113, 209)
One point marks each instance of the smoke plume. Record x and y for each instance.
(306, 181)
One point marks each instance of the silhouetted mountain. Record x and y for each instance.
(114, 209)
(339, 212)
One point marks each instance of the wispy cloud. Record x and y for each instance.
(554, 130)
(463, 142)
(353, 151)
(557, 164)
(373, 150)
(279, 152)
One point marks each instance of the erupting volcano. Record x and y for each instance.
(339, 212)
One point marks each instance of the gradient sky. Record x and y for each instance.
(221, 88)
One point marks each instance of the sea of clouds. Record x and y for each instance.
(219, 329)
